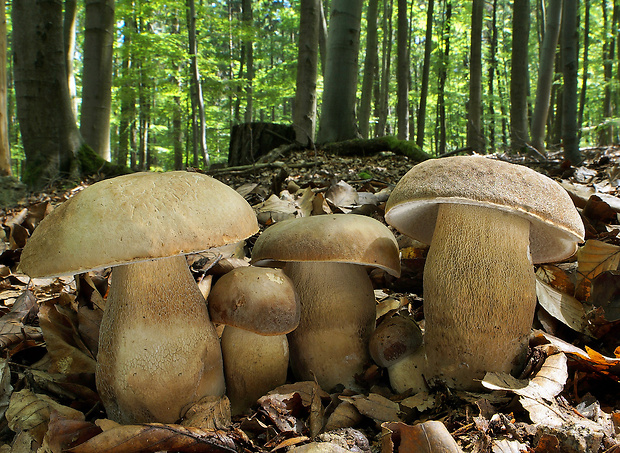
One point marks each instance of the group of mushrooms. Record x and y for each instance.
(307, 289)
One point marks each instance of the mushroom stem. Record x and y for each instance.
(158, 350)
(479, 294)
(254, 364)
(337, 319)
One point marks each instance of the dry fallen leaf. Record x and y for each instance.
(14, 328)
(593, 258)
(374, 406)
(561, 306)
(427, 437)
(155, 437)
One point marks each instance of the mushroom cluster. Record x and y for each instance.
(158, 350)
(327, 258)
(487, 222)
(258, 306)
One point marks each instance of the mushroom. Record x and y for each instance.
(158, 350)
(259, 307)
(396, 345)
(487, 222)
(326, 258)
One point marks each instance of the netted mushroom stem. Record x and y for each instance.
(158, 350)
(479, 294)
(337, 319)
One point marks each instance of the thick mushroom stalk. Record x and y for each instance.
(158, 350)
(479, 294)
(337, 319)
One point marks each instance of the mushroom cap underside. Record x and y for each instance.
(260, 300)
(134, 218)
(556, 226)
(338, 238)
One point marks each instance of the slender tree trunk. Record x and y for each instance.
(304, 112)
(338, 111)
(127, 95)
(69, 26)
(606, 129)
(386, 58)
(570, 66)
(475, 139)
(402, 72)
(322, 38)
(5, 150)
(519, 81)
(491, 82)
(443, 75)
(546, 72)
(97, 76)
(249, 55)
(428, 46)
(584, 77)
(198, 109)
(370, 68)
(49, 133)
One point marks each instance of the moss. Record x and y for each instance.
(365, 147)
(93, 164)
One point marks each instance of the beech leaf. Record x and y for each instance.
(561, 306)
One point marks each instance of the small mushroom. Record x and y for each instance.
(487, 222)
(158, 350)
(326, 257)
(396, 344)
(259, 307)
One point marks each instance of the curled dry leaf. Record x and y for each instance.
(427, 437)
(14, 328)
(508, 446)
(344, 416)
(606, 294)
(155, 437)
(561, 306)
(342, 196)
(593, 258)
(374, 406)
(64, 433)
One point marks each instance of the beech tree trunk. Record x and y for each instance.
(402, 73)
(428, 46)
(126, 125)
(443, 75)
(49, 133)
(304, 112)
(475, 139)
(370, 68)
(584, 77)
(606, 130)
(69, 27)
(546, 72)
(99, 35)
(569, 70)
(491, 81)
(5, 150)
(386, 58)
(249, 55)
(519, 81)
(339, 96)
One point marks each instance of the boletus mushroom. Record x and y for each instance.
(487, 222)
(327, 257)
(259, 306)
(158, 350)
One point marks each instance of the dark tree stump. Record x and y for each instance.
(249, 141)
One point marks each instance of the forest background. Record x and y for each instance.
(159, 84)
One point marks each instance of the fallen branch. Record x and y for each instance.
(242, 169)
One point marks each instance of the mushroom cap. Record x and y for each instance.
(338, 238)
(393, 340)
(556, 227)
(260, 300)
(134, 218)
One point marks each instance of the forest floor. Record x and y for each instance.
(567, 400)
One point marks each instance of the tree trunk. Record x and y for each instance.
(370, 68)
(519, 81)
(5, 150)
(546, 71)
(338, 110)
(606, 129)
(304, 112)
(402, 72)
(475, 139)
(428, 46)
(386, 58)
(584, 77)
(49, 133)
(491, 81)
(198, 109)
(99, 34)
(249, 55)
(126, 125)
(443, 75)
(69, 26)
(569, 71)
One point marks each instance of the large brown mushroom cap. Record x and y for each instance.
(137, 217)
(260, 300)
(556, 226)
(337, 238)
